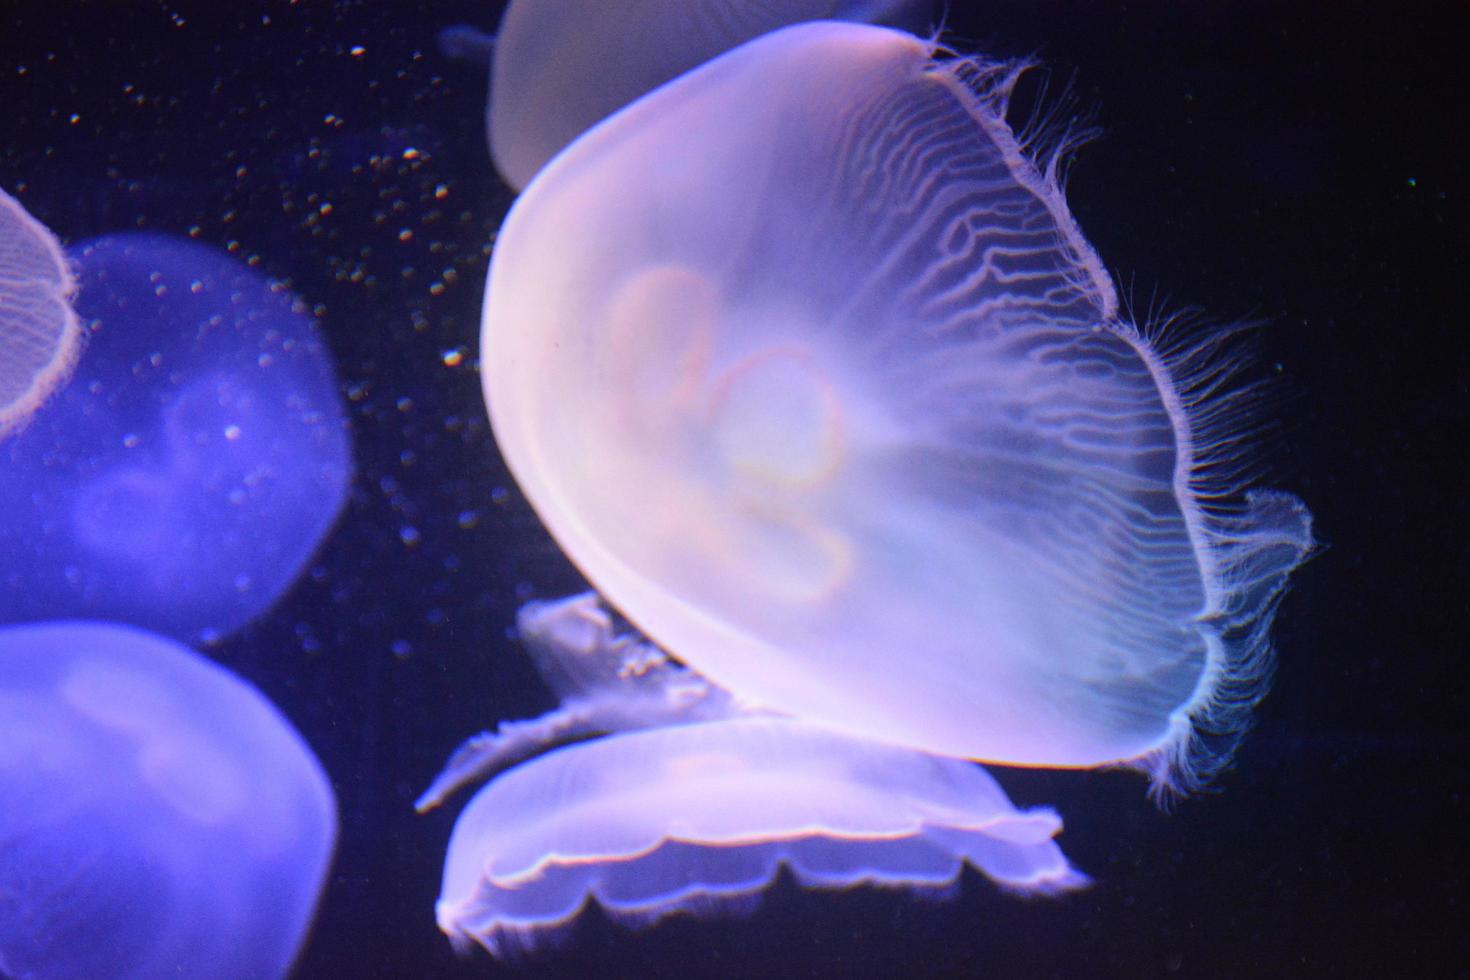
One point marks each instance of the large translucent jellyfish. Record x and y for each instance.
(185, 475)
(702, 814)
(560, 66)
(160, 817)
(40, 335)
(805, 363)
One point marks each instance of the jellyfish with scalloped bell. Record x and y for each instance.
(654, 793)
(161, 817)
(558, 67)
(183, 477)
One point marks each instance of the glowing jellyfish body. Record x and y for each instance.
(701, 816)
(829, 396)
(161, 818)
(40, 335)
(560, 66)
(185, 475)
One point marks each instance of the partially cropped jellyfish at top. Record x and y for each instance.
(694, 802)
(828, 395)
(557, 67)
(184, 476)
(40, 334)
(161, 818)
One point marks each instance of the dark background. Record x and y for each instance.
(1299, 162)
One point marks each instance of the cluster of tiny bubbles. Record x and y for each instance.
(383, 210)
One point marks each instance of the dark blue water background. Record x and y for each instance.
(1290, 161)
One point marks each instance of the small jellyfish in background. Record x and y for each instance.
(831, 399)
(40, 334)
(160, 817)
(185, 475)
(695, 804)
(560, 66)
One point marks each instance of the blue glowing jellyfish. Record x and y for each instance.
(40, 335)
(695, 804)
(185, 475)
(828, 395)
(560, 66)
(160, 817)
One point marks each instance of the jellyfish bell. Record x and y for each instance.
(560, 66)
(40, 334)
(184, 477)
(830, 397)
(702, 817)
(161, 818)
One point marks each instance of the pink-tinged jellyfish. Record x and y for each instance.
(828, 395)
(700, 816)
(40, 334)
(184, 476)
(161, 817)
(560, 66)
